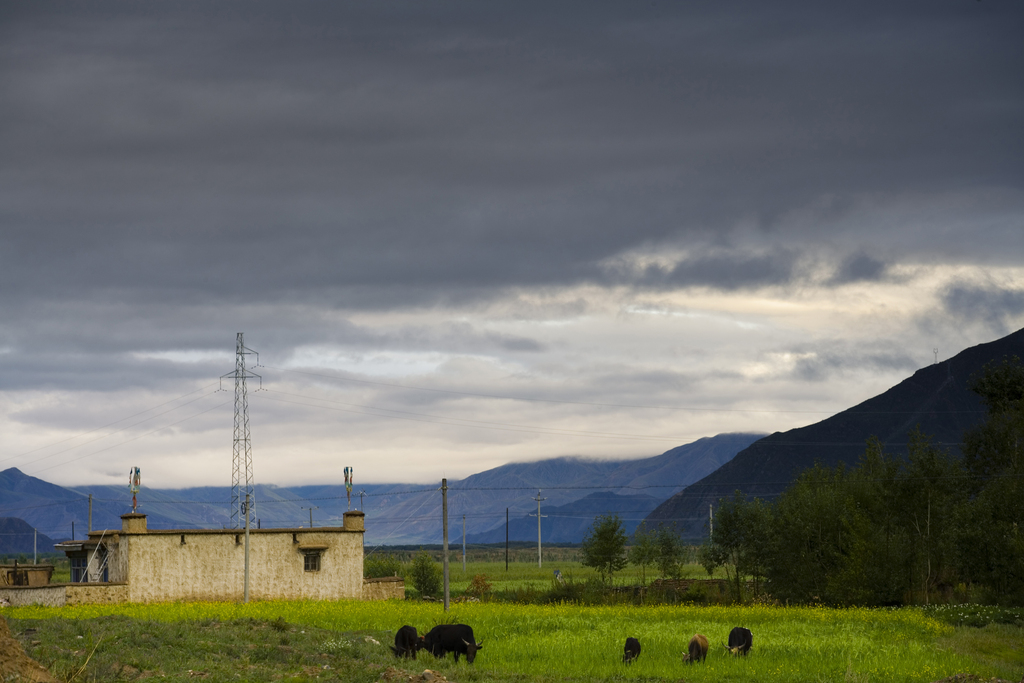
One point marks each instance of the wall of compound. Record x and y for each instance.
(211, 565)
(387, 588)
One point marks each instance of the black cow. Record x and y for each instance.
(740, 641)
(407, 642)
(457, 638)
(631, 651)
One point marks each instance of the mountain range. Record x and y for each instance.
(17, 537)
(936, 399)
(395, 513)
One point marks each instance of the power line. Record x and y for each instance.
(71, 438)
(780, 485)
(135, 438)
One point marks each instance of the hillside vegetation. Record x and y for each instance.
(892, 531)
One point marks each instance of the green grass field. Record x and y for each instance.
(559, 642)
(526, 575)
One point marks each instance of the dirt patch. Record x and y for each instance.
(428, 676)
(15, 665)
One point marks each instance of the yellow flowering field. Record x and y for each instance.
(790, 643)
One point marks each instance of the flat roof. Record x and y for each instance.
(290, 530)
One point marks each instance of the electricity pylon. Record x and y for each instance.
(242, 449)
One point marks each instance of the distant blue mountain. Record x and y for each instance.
(395, 513)
(17, 537)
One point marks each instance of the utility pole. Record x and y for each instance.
(506, 539)
(444, 550)
(241, 461)
(538, 499)
(315, 507)
(463, 544)
(361, 494)
(247, 547)
(35, 546)
(711, 522)
(90, 512)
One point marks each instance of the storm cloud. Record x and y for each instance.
(604, 204)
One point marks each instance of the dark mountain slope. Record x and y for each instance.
(936, 398)
(673, 470)
(45, 506)
(17, 537)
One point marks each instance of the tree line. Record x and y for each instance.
(887, 531)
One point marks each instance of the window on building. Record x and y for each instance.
(79, 567)
(311, 561)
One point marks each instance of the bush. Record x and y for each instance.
(479, 586)
(697, 592)
(426, 574)
(379, 566)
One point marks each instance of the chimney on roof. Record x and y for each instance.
(133, 523)
(353, 521)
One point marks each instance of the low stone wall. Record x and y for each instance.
(96, 593)
(386, 588)
(61, 594)
(47, 596)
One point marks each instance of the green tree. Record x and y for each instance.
(741, 540)
(812, 536)
(996, 446)
(931, 490)
(670, 552)
(1000, 385)
(376, 566)
(426, 574)
(991, 524)
(644, 551)
(877, 555)
(604, 546)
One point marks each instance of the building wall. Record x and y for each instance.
(117, 562)
(210, 565)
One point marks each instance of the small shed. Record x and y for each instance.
(25, 574)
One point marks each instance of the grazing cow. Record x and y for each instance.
(457, 638)
(698, 649)
(407, 642)
(740, 641)
(632, 650)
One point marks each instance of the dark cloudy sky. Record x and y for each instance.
(462, 234)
